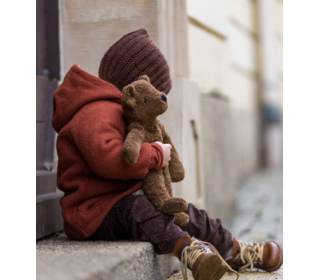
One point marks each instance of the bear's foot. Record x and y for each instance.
(181, 219)
(174, 205)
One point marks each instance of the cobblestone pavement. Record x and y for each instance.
(259, 217)
(259, 209)
(277, 275)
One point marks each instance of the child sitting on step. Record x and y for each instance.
(101, 200)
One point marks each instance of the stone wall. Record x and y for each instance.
(87, 30)
(183, 122)
(220, 157)
(223, 60)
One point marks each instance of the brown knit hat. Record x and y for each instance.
(134, 55)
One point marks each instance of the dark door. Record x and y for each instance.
(49, 219)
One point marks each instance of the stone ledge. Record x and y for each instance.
(277, 275)
(49, 215)
(60, 258)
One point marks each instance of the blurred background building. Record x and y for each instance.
(225, 107)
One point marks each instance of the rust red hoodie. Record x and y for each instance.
(91, 172)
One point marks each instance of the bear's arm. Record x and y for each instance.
(175, 165)
(132, 143)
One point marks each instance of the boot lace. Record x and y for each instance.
(249, 253)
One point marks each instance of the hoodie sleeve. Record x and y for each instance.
(157, 157)
(99, 135)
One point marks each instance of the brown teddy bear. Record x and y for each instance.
(141, 104)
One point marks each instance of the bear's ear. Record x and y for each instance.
(145, 78)
(128, 96)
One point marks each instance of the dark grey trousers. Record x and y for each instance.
(135, 217)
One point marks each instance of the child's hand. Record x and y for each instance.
(167, 153)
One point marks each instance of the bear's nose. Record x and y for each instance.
(164, 98)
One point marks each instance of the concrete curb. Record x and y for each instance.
(60, 258)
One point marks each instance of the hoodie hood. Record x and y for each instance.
(78, 89)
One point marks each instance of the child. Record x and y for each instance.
(101, 200)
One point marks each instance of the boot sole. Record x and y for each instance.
(210, 268)
(220, 273)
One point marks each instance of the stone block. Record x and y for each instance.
(46, 182)
(49, 215)
(220, 165)
(182, 121)
(61, 258)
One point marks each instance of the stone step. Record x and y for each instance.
(49, 214)
(277, 275)
(60, 258)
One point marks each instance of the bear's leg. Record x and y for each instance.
(174, 204)
(155, 188)
(167, 180)
(181, 219)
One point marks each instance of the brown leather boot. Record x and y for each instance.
(201, 258)
(266, 256)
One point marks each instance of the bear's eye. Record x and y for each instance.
(145, 100)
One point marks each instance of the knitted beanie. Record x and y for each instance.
(132, 56)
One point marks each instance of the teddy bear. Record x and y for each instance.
(142, 104)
